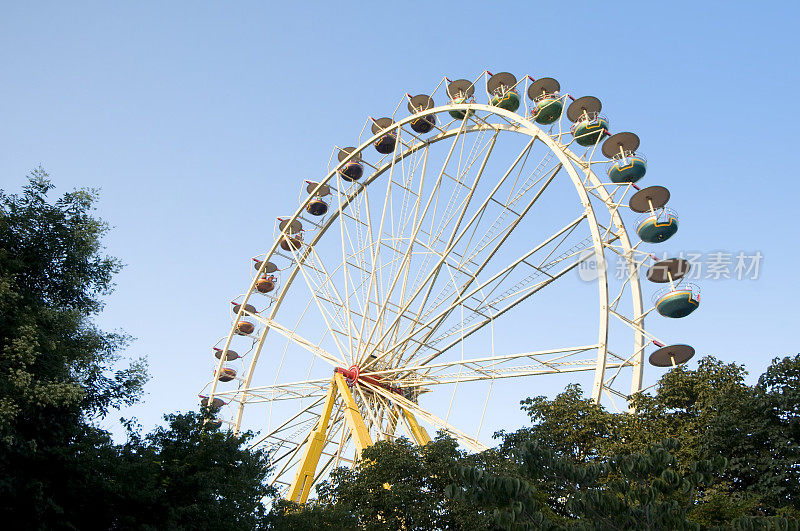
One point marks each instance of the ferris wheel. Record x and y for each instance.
(460, 255)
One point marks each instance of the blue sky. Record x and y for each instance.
(198, 119)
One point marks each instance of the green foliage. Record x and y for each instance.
(57, 369)
(59, 374)
(186, 476)
(571, 425)
(778, 400)
(714, 413)
(290, 516)
(55, 362)
(637, 491)
(396, 485)
(706, 451)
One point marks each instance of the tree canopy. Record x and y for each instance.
(704, 451)
(60, 374)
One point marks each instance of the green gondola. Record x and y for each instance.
(628, 169)
(588, 132)
(678, 303)
(508, 100)
(547, 110)
(658, 227)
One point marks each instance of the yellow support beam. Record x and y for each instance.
(353, 416)
(306, 469)
(301, 486)
(417, 431)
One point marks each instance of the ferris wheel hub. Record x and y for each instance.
(353, 376)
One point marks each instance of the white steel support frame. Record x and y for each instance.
(389, 406)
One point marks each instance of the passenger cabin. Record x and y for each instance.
(266, 284)
(588, 125)
(676, 300)
(352, 170)
(226, 374)
(627, 165)
(318, 205)
(547, 104)
(245, 327)
(230, 355)
(658, 224)
(418, 104)
(387, 142)
(461, 92)
(502, 91)
(292, 236)
(214, 404)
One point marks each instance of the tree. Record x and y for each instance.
(59, 375)
(778, 395)
(643, 490)
(187, 475)
(395, 485)
(570, 426)
(56, 367)
(713, 412)
(586, 457)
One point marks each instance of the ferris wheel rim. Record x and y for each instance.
(519, 124)
(522, 125)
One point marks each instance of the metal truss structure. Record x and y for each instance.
(421, 275)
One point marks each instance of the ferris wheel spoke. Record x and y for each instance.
(292, 421)
(322, 300)
(346, 269)
(461, 332)
(562, 360)
(454, 212)
(452, 241)
(435, 190)
(276, 392)
(465, 260)
(428, 416)
(358, 200)
(307, 344)
(350, 200)
(638, 327)
(379, 246)
(367, 406)
(624, 362)
(503, 235)
(391, 414)
(633, 267)
(446, 307)
(376, 269)
(456, 236)
(407, 214)
(372, 277)
(501, 232)
(516, 294)
(367, 248)
(438, 224)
